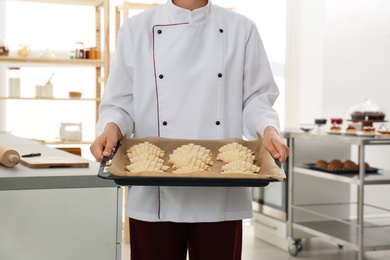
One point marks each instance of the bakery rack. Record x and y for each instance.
(366, 228)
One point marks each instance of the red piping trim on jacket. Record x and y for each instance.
(155, 72)
(157, 100)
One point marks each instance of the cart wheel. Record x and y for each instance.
(294, 246)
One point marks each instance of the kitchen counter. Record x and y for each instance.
(57, 213)
(23, 177)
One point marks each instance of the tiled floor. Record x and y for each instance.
(254, 249)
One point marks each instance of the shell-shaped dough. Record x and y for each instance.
(192, 149)
(143, 148)
(236, 155)
(238, 159)
(233, 147)
(141, 166)
(188, 169)
(191, 155)
(240, 167)
(146, 157)
(182, 159)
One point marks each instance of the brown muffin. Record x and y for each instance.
(321, 164)
(335, 165)
(350, 165)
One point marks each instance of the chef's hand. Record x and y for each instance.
(274, 144)
(105, 143)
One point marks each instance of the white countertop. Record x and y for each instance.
(23, 177)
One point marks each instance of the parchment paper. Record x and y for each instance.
(268, 168)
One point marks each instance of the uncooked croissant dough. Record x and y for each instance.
(145, 148)
(190, 158)
(240, 167)
(238, 159)
(149, 166)
(146, 157)
(236, 155)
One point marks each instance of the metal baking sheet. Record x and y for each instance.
(182, 181)
(368, 171)
(112, 169)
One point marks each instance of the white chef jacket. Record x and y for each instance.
(200, 74)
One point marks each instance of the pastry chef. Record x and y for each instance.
(188, 69)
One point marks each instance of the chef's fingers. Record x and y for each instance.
(282, 151)
(109, 148)
(105, 143)
(273, 151)
(96, 149)
(108, 142)
(277, 148)
(102, 146)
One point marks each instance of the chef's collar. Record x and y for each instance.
(184, 15)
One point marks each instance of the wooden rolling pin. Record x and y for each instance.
(8, 157)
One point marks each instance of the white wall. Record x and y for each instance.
(270, 18)
(357, 54)
(305, 61)
(338, 55)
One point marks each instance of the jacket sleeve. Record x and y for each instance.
(260, 89)
(117, 100)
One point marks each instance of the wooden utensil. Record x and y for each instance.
(9, 157)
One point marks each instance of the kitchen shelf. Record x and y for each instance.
(375, 238)
(101, 66)
(362, 227)
(48, 99)
(342, 138)
(382, 177)
(51, 61)
(67, 2)
(377, 216)
(48, 142)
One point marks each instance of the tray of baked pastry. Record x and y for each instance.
(340, 167)
(158, 161)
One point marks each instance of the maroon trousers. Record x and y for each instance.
(170, 241)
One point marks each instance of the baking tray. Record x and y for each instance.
(369, 170)
(182, 181)
(204, 179)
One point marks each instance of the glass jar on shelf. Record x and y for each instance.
(80, 51)
(24, 49)
(95, 54)
(14, 82)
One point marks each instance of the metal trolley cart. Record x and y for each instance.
(367, 227)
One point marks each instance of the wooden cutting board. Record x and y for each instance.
(54, 161)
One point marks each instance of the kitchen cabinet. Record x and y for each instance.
(100, 67)
(57, 213)
(362, 227)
